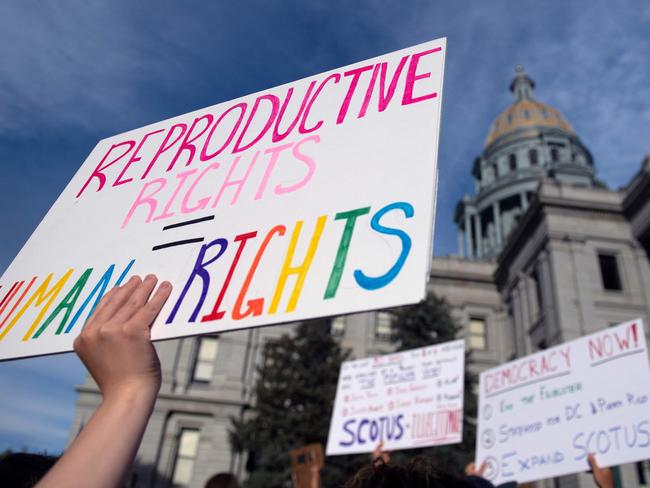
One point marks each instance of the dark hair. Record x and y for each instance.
(222, 480)
(23, 469)
(420, 472)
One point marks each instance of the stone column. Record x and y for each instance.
(478, 234)
(642, 267)
(582, 260)
(524, 201)
(468, 237)
(547, 310)
(517, 326)
(531, 305)
(524, 301)
(567, 302)
(497, 222)
(461, 243)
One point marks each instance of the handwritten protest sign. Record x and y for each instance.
(312, 198)
(541, 415)
(408, 399)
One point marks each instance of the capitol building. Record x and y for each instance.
(547, 253)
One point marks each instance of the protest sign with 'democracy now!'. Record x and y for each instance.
(407, 399)
(541, 415)
(309, 199)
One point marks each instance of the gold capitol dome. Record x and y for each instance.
(526, 113)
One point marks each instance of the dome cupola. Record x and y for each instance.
(528, 141)
(525, 113)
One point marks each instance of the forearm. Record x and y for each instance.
(106, 447)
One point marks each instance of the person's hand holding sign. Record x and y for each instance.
(604, 477)
(379, 455)
(116, 347)
(473, 470)
(115, 344)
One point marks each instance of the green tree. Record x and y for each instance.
(427, 323)
(294, 397)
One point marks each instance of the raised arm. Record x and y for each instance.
(116, 347)
(604, 477)
(379, 455)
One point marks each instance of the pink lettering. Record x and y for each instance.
(275, 154)
(134, 158)
(143, 199)
(98, 172)
(275, 102)
(237, 183)
(384, 97)
(203, 202)
(356, 74)
(311, 166)
(187, 144)
(182, 179)
(277, 136)
(204, 151)
(412, 77)
(623, 342)
(303, 130)
(566, 354)
(164, 146)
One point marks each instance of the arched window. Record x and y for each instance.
(532, 155)
(555, 155)
(512, 159)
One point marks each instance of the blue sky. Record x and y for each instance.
(72, 73)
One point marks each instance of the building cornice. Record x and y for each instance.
(176, 397)
(550, 194)
(529, 133)
(637, 192)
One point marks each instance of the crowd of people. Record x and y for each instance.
(115, 346)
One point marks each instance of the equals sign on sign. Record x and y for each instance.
(183, 241)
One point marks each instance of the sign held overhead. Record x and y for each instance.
(309, 199)
(540, 416)
(406, 400)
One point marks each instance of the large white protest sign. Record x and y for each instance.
(312, 198)
(541, 415)
(408, 399)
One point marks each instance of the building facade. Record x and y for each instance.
(568, 256)
(546, 254)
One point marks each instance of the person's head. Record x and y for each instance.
(24, 470)
(475, 481)
(222, 480)
(420, 472)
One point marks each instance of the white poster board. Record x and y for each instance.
(309, 199)
(407, 400)
(541, 415)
